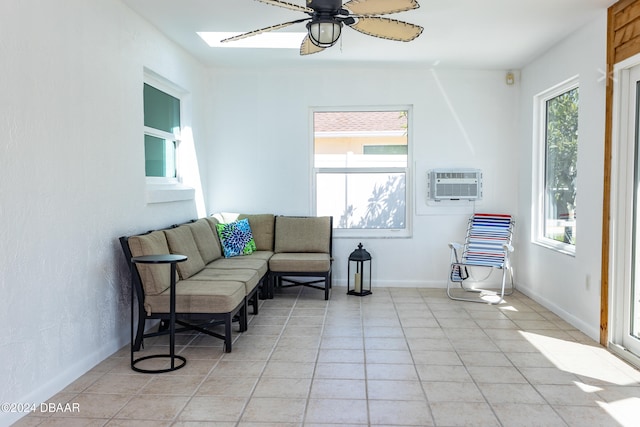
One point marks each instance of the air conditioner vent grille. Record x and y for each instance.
(455, 184)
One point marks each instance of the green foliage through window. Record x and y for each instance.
(561, 137)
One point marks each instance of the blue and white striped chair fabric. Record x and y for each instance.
(488, 244)
(486, 237)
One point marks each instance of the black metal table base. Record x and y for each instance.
(173, 367)
(359, 294)
(171, 259)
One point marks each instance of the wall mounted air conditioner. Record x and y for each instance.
(455, 184)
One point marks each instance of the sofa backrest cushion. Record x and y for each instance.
(213, 223)
(206, 240)
(181, 241)
(262, 228)
(155, 278)
(303, 234)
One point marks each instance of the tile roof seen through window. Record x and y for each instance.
(360, 121)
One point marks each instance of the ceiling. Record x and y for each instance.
(484, 34)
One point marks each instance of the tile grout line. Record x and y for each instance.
(315, 365)
(273, 349)
(176, 418)
(428, 307)
(364, 361)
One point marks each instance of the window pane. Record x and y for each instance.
(385, 149)
(360, 139)
(561, 167)
(363, 200)
(159, 157)
(161, 110)
(361, 161)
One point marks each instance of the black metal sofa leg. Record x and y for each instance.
(228, 320)
(255, 301)
(327, 286)
(271, 286)
(243, 315)
(139, 332)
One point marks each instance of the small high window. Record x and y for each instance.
(161, 132)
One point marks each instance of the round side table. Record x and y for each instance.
(171, 259)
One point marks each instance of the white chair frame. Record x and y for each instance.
(487, 245)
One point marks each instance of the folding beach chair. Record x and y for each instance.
(487, 246)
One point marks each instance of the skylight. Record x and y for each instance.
(269, 40)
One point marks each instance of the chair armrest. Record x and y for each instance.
(456, 246)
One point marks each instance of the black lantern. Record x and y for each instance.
(362, 275)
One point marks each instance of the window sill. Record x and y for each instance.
(167, 193)
(562, 248)
(351, 233)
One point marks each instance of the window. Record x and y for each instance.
(166, 133)
(555, 186)
(161, 132)
(360, 165)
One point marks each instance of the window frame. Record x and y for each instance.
(538, 216)
(166, 189)
(166, 87)
(405, 232)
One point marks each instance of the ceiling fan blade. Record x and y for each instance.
(379, 7)
(288, 5)
(262, 30)
(307, 48)
(386, 28)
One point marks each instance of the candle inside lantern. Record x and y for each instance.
(359, 263)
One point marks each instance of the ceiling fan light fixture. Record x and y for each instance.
(324, 32)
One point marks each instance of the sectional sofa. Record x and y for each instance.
(232, 259)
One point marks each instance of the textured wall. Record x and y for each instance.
(72, 173)
(461, 118)
(72, 181)
(569, 285)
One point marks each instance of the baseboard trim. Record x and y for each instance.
(56, 384)
(591, 331)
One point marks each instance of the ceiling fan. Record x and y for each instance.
(326, 18)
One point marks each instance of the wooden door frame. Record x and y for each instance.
(623, 41)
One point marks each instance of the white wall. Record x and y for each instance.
(72, 166)
(568, 285)
(261, 156)
(71, 158)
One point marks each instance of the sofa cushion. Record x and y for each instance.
(155, 278)
(181, 241)
(303, 234)
(249, 277)
(300, 262)
(263, 255)
(199, 296)
(236, 238)
(249, 261)
(213, 222)
(206, 240)
(262, 227)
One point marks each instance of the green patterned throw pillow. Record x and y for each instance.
(236, 238)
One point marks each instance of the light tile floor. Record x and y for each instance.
(397, 357)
